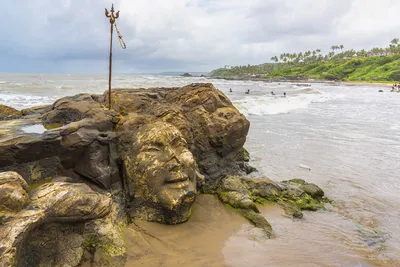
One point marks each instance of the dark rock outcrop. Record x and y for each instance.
(293, 196)
(9, 113)
(80, 140)
(35, 111)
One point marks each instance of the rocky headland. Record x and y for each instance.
(74, 174)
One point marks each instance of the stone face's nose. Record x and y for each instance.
(174, 154)
(174, 166)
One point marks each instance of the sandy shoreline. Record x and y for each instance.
(198, 242)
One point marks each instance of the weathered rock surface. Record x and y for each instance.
(81, 142)
(234, 192)
(213, 128)
(57, 202)
(14, 192)
(36, 111)
(8, 113)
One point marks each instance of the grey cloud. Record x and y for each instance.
(184, 34)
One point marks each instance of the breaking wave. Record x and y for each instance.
(267, 105)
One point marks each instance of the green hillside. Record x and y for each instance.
(378, 65)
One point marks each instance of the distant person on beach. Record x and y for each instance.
(284, 94)
(248, 92)
(230, 90)
(272, 93)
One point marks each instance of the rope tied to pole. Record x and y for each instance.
(121, 40)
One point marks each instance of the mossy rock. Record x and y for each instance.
(295, 182)
(313, 190)
(246, 155)
(258, 221)
(237, 200)
(291, 209)
(9, 113)
(263, 189)
(105, 243)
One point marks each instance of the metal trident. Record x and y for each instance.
(112, 23)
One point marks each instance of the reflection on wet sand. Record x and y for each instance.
(300, 243)
(217, 236)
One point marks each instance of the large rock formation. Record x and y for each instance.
(85, 169)
(213, 128)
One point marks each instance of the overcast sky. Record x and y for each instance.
(72, 36)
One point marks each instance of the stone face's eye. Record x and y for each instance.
(179, 142)
(152, 149)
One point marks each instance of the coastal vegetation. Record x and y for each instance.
(376, 64)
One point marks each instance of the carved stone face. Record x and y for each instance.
(163, 174)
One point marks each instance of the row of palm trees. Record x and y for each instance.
(316, 56)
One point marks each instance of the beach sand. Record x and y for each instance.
(198, 242)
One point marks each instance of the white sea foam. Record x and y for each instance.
(20, 101)
(265, 105)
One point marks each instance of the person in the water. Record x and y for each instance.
(272, 93)
(230, 90)
(248, 92)
(284, 94)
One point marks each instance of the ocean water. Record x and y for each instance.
(347, 135)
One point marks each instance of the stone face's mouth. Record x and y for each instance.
(179, 185)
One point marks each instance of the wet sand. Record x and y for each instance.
(198, 242)
(216, 236)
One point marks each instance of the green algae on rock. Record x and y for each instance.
(293, 196)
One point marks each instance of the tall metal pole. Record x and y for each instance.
(110, 67)
(112, 21)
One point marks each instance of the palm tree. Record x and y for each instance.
(292, 57)
(395, 41)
